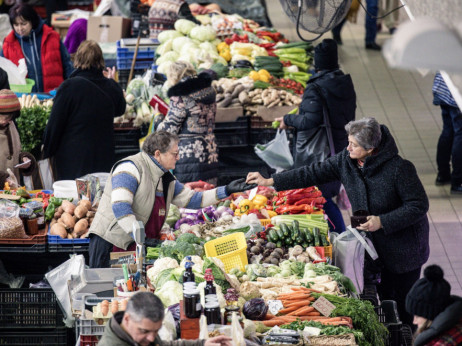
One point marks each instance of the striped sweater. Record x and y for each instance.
(125, 182)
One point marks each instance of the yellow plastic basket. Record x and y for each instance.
(230, 249)
(265, 222)
(26, 88)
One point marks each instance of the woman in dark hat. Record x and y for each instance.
(331, 87)
(437, 314)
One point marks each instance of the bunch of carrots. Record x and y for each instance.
(297, 306)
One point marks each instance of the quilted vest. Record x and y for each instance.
(105, 224)
(52, 67)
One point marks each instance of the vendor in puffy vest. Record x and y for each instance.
(47, 59)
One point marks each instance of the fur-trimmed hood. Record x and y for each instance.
(198, 87)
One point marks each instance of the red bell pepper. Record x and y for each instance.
(314, 200)
(295, 208)
(291, 199)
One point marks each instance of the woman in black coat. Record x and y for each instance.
(378, 180)
(80, 132)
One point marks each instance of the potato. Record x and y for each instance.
(52, 222)
(91, 214)
(60, 209)
(57, 215)
(58, 229)
(68, 220)
(81, 211)
(80, 227)
(68, 207)
(85, 203)
(70, 236)
(90, 220)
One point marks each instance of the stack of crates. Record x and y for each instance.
(399, 334)
(144, 60)
(31, 317)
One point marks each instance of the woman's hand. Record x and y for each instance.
(109, 72)
(221, 340)
(256, 178)
(282, 124)
(373, 224)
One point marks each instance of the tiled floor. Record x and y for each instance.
(403, 101)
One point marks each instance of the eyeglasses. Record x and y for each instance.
(175, 153)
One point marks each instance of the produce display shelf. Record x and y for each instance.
(29, 308)
(70, 248)
(36, 248)
(39, 238)
(56, 337)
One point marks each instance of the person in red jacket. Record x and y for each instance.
(47, 59)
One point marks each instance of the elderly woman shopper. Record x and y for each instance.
(141, 188)
(437, 313)
(379, 181)
(80, 132)
(47, 60)
(192, 116)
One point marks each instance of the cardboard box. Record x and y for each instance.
(228, 114)
(61, 23)
(269, 114)
(108, 28)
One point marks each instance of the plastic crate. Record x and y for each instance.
(56, 337)
(265, 135)
(240, 123)
(89, 340)
(399, 333)
(35, 248)
(370, 294)
(232, 138)
(56, 239)
(265, 222)
(89, 327)
(39, 238)
(127, 138)
(29, 308)
(126, 64)
(122, 76)
(69, 248)
(230, 249)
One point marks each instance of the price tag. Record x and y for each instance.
(324, 306)
(274, 306)
(253, 193)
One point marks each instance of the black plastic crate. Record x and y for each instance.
(232, 138)
(399, 333)
(29, 308)
(370, 294)
(127, 138)
(68, 248)
(242, 123)
(56, 337)
(35, 248)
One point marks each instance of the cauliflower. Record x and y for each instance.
(159, 265)
(249, 291)
(198, 263)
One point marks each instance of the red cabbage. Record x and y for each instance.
(255, 309)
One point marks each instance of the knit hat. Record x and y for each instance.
(325, 55)
(430, 295)
(9, 102)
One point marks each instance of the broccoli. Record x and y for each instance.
(188, 238)
(178, 251)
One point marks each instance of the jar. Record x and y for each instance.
(227, 319)
(41, 219)
(192, 303)
(32, 226)
(213, 313)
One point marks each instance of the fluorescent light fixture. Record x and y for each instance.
(424, 43)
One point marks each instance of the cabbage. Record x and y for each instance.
(164, 47)
(168, 35)
(208, 47)
(137, 87)
(169, 56)
(187, 47)
(171, 293)
(255, 309)
(179, 42)
(203, 33)
(184, 26)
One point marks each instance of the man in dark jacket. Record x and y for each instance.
(330, 87)
(379, 181)
(140, 323)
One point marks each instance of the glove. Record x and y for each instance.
(238, 185)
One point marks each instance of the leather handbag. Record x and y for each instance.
(320, 144)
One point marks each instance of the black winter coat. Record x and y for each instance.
(191, 115)
(388, 187)
(80, 131)
(339, 94)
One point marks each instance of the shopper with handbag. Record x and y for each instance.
(381, 182)
(328, 104)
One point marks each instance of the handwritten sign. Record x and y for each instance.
(274, 306)
(324, 306)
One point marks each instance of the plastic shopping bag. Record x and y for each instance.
(276, 153)
(348, 252)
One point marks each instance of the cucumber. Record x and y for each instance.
(288, 241)
(273, 235)
(280, 234)
(308, 236)
(316, 234)
(305, 245)
(299, 241)
(285, 229)
(324, 241)
(279, 244)
(295, 227)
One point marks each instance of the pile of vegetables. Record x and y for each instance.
(199, 186)
(186, 244)
(270, 97)
(292, 234)
(31, 125)
(270, 64)
(208, 214)
(232, 92)
(298, 201)
(71, 221)
(29, 101)
(295, 53)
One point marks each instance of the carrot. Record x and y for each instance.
(313, 313)
(338, 323)
(293, 296)
(285, 311)
(273, 322)
(269, 316)
(300, 288)
(312, 318)
(304, 311)
(299, 303)
(332, 319)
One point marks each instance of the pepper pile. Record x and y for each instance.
(298, 201)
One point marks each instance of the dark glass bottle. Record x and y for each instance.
(209, 286)
(188, 275)
(213, 313)
(192, 303)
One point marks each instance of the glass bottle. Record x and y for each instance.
(231, 298)
(212, 312)
(192, 303)
(188, 275)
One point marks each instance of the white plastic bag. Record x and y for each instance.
(168, 330)
(348, 254)
(276, 153)
(16, 76)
